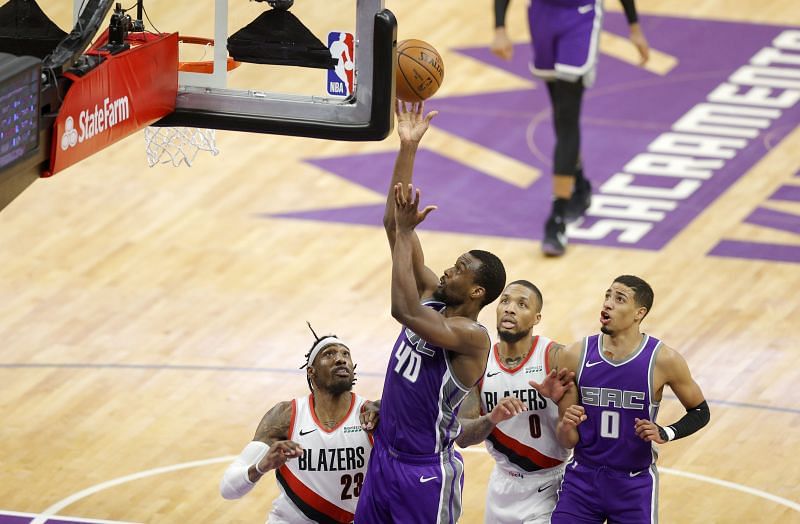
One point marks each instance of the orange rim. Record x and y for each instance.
(202, 66)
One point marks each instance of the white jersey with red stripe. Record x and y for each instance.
(525, 443)
(325, 482)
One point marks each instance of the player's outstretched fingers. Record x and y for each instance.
(368, 420)
(566, 377)
(290, 449)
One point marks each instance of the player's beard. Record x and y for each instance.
(509, 337)
(340, 385)
(441, 295)
(606, 331)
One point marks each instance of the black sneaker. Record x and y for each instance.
(554, 243)
(580, 200)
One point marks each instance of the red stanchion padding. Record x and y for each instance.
(125, 93)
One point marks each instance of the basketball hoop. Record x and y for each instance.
(180, 145)
(202, 66)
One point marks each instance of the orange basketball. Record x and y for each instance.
(420, 70)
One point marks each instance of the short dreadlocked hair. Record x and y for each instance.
(309, 356)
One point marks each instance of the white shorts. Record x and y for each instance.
(515, 498)
(285, 512)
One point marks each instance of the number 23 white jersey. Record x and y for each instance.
(324, 483)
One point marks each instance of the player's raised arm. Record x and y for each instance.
(269, 449)
(672, 369)
(412, 124)
(476, 427)
(458, 334)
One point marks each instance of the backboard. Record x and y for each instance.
(276, 98)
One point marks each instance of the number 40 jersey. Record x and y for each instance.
(525, 443)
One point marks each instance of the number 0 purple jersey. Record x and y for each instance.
(421, 395)
(613, 395)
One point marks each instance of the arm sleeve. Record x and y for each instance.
(694, 419)
(500, 8)
(630, 11)
(235, 482)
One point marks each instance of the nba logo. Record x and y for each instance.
(340, 78)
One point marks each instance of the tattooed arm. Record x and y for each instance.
(560, 379)
(474, 427)
(273, 430)
(269, 449)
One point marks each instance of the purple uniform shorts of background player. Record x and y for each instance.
(565, 35)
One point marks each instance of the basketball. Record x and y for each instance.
(420, 70)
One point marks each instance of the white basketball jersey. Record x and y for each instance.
(525, 443)
(325, 482)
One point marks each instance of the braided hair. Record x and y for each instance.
(311, 353)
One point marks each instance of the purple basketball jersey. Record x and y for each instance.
(420, 397)
(613, 395)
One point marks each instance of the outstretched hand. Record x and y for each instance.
(638, 39)
(501, 45)
(505, 409)
(406, 207)
(279, 452)
(369, 416)
(555, 384)
(411, 124)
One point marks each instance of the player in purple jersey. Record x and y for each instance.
(610, 418)
(414, 474)
(565, 36)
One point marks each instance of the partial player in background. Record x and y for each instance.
(620, 374)
(565, 37)
(316, 445)
(512, 411)
(415, 475)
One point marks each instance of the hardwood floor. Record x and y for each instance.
(151, 316)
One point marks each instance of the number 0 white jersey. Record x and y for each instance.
(525, 443)
(325, 482)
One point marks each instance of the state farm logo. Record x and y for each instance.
(94, 121)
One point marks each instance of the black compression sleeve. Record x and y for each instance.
(694, 419)
(500, 8)
(630, 11)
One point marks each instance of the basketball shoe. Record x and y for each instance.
(580, 200)
(554, 243)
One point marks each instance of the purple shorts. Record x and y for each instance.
(596, 494)
(411, 489)
(565, 36)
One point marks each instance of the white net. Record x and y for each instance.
(177, 145)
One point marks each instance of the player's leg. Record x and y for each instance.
(579, 497)
(501, 497)
(373, 499)
(514, 498)
(543, 489)
(576, 61)
(544, 34)
(425, 493)
(546, 22)
(567, 97)
(641, 499)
